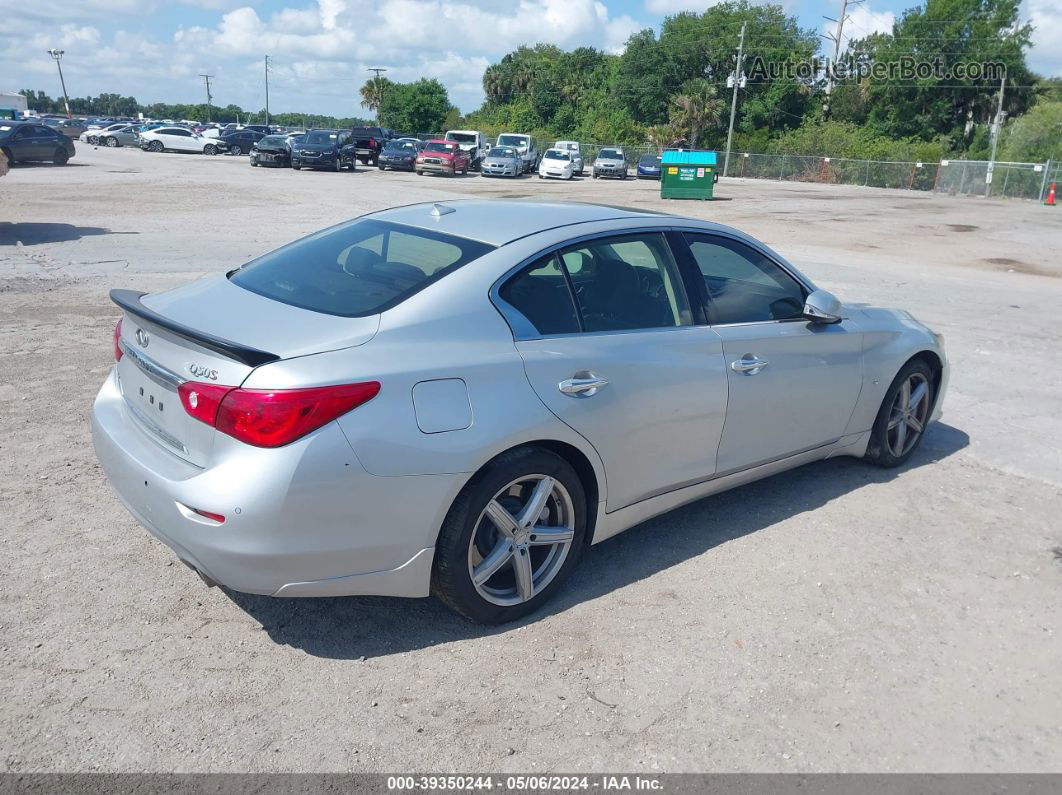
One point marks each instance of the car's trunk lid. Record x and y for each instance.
(212, 332)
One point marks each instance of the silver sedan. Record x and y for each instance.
(456, 399)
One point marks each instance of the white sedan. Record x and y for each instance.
(179, 139)
(555, 163)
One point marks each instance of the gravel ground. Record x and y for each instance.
(834, 618)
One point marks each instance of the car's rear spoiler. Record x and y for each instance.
(129, 300)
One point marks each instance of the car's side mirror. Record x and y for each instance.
(823, 307)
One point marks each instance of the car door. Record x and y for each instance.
(183, 140)
(606, 334)
(793, 383)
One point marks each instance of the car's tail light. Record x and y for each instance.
(117, 338)
(201, 401)
(272, 418)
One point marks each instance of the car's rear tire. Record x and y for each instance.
(236, 149)
(420, 173)
(296, 167)
(511, 538)
(903, 416)
(112, 142)
(60, 157)
(8, 155)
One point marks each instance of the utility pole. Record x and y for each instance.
(206, 78)
(739, 80)
(57, 55)
(379, 88)
(997, 127)
(836, 38)
(267, 88)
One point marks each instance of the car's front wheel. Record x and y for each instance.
(903, 416)
(512, 536)
(210, 149)
(236, 149)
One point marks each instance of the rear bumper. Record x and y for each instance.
(300, 520)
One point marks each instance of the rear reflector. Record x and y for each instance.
(271, 418)
(117, 337)
(217, 517)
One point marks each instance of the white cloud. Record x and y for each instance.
(861, 22)
(1046, 54)
(675, 6)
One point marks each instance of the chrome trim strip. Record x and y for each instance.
(156, 372)
(169, 439)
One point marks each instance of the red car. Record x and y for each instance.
(444, 157)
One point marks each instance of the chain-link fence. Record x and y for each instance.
(1009, 180)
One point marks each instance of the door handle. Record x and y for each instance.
(583, 384)
(748, 364)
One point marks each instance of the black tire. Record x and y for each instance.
(420, 173)
(210, 149)
(296, 167)
(112, 142)
(60, 157)
(156, 146)
(451, 581)
(236, 149)
(8, 155)
(382, 168)
(880, 449)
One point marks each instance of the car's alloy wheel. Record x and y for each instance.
(236, 150)
(903, 416)
(511, 537)
(210, 149)
(156, 146)
(112, 142)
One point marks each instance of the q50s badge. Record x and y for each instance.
(203, 372)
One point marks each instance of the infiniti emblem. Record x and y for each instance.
(142, 337)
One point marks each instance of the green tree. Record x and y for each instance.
(695, 109)
(373, 90)
(1034, 137)
(422, 106)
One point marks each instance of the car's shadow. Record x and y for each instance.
(361, 626)
(31, 234)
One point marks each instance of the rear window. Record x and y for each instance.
(356, 269)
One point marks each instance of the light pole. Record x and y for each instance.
(57, 54)
(379, 88)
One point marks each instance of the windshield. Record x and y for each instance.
(650, 160)
(512, 140)
(398, 146)
(610, 154)
(357, 269)
(464, 138)
(439, 146)
(556, 154)
(502, 151)
(320, 137)
(273, 140)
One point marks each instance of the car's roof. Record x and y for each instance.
(502, 221)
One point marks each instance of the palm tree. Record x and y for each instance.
(696, 109)
(372, 92)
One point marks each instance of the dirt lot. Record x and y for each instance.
(837, 617)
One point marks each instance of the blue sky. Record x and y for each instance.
(155, 50)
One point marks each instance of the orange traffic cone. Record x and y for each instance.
(1051, 196)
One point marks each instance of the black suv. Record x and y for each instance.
(23, 141)
(331, 149)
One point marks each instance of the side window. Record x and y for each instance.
(540, 291)
(628, 282)
(743, 285)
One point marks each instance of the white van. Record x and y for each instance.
(575, 152)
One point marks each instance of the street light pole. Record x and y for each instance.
(57, 54)
(379, 89)
(267, 88)
(738, 79)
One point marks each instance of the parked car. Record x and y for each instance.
(472, 143)
(556, 163)
(71, 128)
(574, 151)
(179, 139)
(92, 133)
(400, 154)
(304, 423)
(24, 141)
(241, 141)
(294, 139)
(442, 157)
(271, 150)
(125, 135)
(525, 146)
(369, 142)
(649, 166)
(610, 162)
(502, 161)
(331, 149)
(265, 129)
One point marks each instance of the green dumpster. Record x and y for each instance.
(687, 175)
